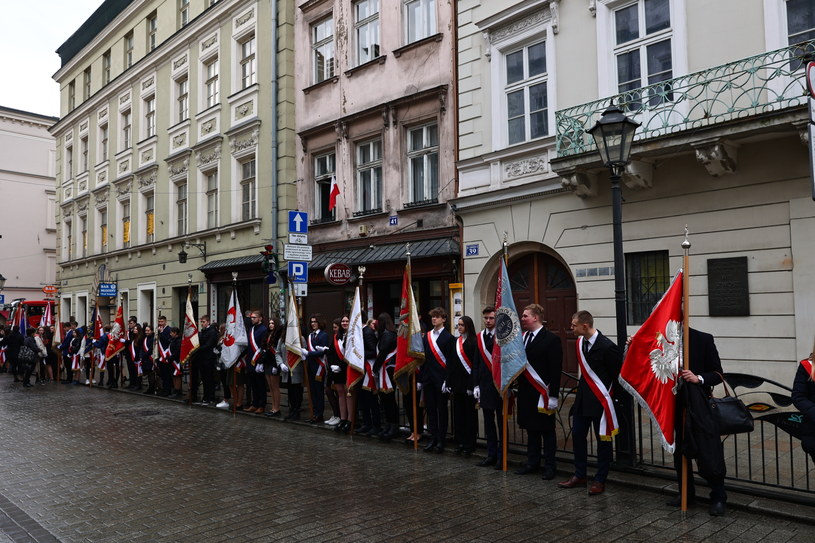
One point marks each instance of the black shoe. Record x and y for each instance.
(459, 449)
(717, 509)
(27, 385)
(149, 391)
(526, 469)
(548, 474)
(676, 501)
(467, 453)
(273, 414)
(163, 394)
(488, 461)
(430, 446)
(440, 448)
(499, 465)
(373, 431)
(362, 429)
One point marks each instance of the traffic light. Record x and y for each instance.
(269, 262)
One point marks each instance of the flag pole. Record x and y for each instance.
(93, 350)
(189, 375)
(505, 394)
(234, 386)
(413, 372)
(353, 395)
(685, 356)
(298, 310)
(55, 348)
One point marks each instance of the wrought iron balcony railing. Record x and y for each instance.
(760, 84)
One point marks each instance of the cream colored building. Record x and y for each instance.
(27, 153)
(176, 135)
(722, 148)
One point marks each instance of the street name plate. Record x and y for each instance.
(297, 252)
(298, 239)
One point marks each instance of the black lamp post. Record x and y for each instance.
(613, 135)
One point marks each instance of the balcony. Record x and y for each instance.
(750, 87)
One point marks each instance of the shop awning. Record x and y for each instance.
(389, 252)
(232, 263)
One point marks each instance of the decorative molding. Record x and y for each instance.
(179, 140)
(69, 136)
(124, 166)
(341, 129)
(526, 166)
(554, 9)
(579, 183)
(385, 116)
(180, 62)
(83, 126)
(245, 109)
(101, 196)
(208, 127)
(82, 185)
(102, 114)
(206, 44)
(147, 156)
(146, 84)
(443, 100)
(123, 99)
(718, 157)
(237, 145)
(516, 27)
(593, 8)
(240, 21)
(124, 188)
(638, 174)
(181, 167)
(149, 178)
(102, 176)
(207, 157)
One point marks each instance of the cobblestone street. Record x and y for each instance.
(83, 464)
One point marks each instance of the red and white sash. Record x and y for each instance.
(101, 363)
(434, 348)
(486, 355)
(320, 360)
(384, 380)
(76, 362)
(608, 422)
(132, 348)
(807, 364)
(368, 379)
(546, 404)
(253, 344)
(147, 349)
(3, 354)
(177, 368)
(465, 361)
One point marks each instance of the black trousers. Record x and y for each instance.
(207, 368)
(295, 396)
(316, 389)
(533, 444)
(369, 405)
(435, 403)
(166, 372)
(258, 383)
(465, 420)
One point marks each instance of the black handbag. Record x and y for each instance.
(730, 413)
(26, 354)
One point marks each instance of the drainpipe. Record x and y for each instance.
(274, 6)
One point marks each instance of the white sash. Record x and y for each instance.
(608, 422)
(434, 347)
(463, 356)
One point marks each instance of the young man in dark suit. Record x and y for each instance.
(544, 353)
(484, 389)
(438, 349)
(600, 365)
(317, 345)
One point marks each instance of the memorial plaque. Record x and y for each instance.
(728, 294)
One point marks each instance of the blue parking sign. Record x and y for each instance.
(298, 222)
(298, 272)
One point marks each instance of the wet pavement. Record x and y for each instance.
(81, 464)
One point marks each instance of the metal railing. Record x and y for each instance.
(760, 84)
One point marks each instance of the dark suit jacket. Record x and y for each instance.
(803, 397)
(545, 354)
(208, 339)
(432, 373)
(386, 345)
(369, 341)
(605, 360)
(482, 377)
(704, 358)
(458, 378)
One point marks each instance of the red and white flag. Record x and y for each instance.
(652, 360)
(235, 340)
(333, 193)
(47, 318)
(189, 340)
(294, 345)
(353, 349)
(409, 346)
(116, 337)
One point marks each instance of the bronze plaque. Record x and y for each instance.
(728, 294)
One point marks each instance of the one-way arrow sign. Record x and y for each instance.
(298, 222)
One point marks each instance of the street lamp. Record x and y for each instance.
(2, 281)
(613, 134)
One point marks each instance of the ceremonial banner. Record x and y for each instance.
(189, 339)
(354, 350)
(651, 362)
(116, 337)
(409, 347)
(47, 318)
(235, 340)
(508, 353)
(98, 328)
(294, 354)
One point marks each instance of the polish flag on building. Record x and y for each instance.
(294, 345)
(189, 339)
(116, 337)
(333, 193)
(652, 360)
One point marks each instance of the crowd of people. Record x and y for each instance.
(457, 367)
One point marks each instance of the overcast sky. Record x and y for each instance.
(30, 33)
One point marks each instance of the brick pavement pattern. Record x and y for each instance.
(94, 465)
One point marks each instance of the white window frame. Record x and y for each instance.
(125, 223)
(69, 162)
(427, 23)
(102, 229)
(525, 85)
(182, 98)
(83, 235)
(86, 83)
(319, 46)
(182, 207)
(128, 47)
(126, 118)
(211, 184)
(83, 154)
(183, 13)
(68, 237)
(248, 189)
(373, 167)
(425, 152)
(71, 95)
(323, 177)
(150, 116)
(106, 67)
(152, 31)
(247, 50)
(149, 208)
(369, 27)
(211, 87)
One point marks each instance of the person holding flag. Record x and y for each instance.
(599, 360)
(189, 343)
(292, 368)
(383, 370)
(101, 345)
(538, 392)
(147, 361)
(484, 391)
(176, 360)
(439, 348)
(314, 354)
(254, 367)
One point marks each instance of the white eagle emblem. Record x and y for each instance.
(665, 359)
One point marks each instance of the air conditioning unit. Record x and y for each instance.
(363, 230)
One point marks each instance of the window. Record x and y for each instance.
(527, 104)
(103, 230)
(150, 117)
(103, 143)
(152, 27)
(323, 174)
(369, 177)
(182, 88)
(800, 25)
(212, 199)
(642, 38)
(150, 217)
(106, 67)
(86, 83)
(69, 239)
(183, 12)
(322, 45)
(248, 63)
(647, 277)
(128, 50)
(367, 30)
(423, 164)
(83, 150)
(248, 190)
(83, 230)
(421, 19)
(69, 162)
(125, 223)
(126, 129)
(71, 96)
(181, 208)
(211, 69)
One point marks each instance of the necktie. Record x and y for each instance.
(529, 336)
(585, 347)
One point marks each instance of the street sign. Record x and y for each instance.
(107, 289)
(299, 239)
(337, 274)
(2, 298)
(472, 250)
(271, 278)
(301, 290)
(298, 272)
(50, 289)
(297, 252)
(298, 222)
(393, 220)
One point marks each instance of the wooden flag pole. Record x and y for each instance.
(353, 414)
(189, 375)
(58, 326)
(685, 358)
(505, 395)
(416, 434)
(234, 386)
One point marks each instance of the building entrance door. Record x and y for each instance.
(540, 278)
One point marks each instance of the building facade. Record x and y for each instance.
(176, 136)
(722, 148)
(375, 99)
(27, 180)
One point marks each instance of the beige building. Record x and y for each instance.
(722, 148)
(176, 136)
(375, 99)
(27, 153)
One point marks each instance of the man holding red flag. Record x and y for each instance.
(116, 343)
